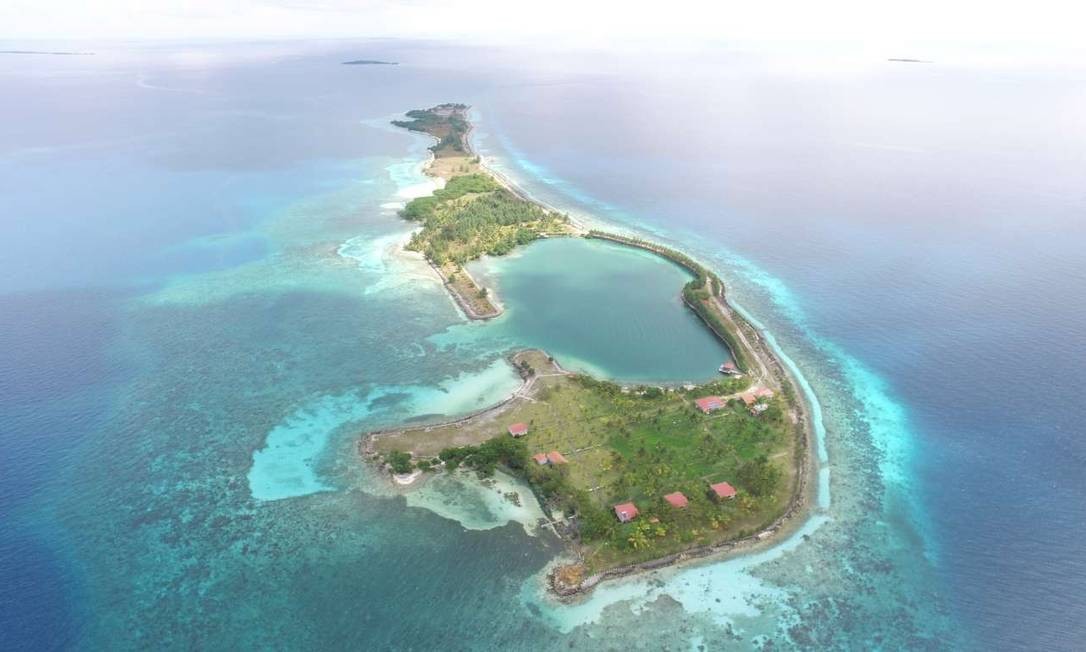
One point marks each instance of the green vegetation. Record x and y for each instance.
(473, 216)
(649, 443)
(421, 209)
(445, 122)
(399, 462)
(484, 458)
(634, 444)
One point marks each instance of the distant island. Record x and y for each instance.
(62, 54)
(631, 478)
(909, 61)
(369, 62)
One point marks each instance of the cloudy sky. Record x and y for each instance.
(1019, 26)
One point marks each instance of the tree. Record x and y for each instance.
(759, 476)
(400, 462)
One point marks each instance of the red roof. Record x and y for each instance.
(518, 429)
(554, 457)
(748, 398)
(723, 490)
(540, 458)
(677, 499)
(728, 365)
(709, 403)
(763, 392)
(626, 512)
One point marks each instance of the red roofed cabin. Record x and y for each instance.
(677, 500)
(626, 512)
(540, 458)
(554, 457)
(709, 403)
(722, 491)
(518, 429)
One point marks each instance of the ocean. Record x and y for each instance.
(204, 302)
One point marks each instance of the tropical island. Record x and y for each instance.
(631, 477)
(369, 62)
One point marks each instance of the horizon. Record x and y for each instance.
(968, 30)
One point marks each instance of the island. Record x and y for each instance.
(45, 52)
(631, 477)
(369, 62)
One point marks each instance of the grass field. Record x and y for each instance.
(637, 445)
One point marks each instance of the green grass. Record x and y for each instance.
(622, 446)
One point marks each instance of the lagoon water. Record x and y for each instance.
(203, 302)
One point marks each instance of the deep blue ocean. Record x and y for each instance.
(203, 302)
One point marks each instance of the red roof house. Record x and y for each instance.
(763, 392)
(677, 499)
(722, 490)
(748, 398)
(554, 457)
(626, 512)
(518, 429)
(709, 403)
(540, 458)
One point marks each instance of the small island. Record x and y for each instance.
(631, 477)
(369, 62)
(474, 214)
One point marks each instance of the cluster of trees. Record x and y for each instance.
(493, 223)
(484, 458)
(422, 209)
(399, 462)
(759, 476)
(443, 121)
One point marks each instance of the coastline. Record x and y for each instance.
(770, 371)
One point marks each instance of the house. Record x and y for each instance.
(729, 369)
(626, 512)
(722, 491)
(709, 403)
(540, 458)
(677, 500)
(758, 408)
(750, 398)
(518, 429)
(554, 457)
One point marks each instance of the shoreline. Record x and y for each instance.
(770, 371)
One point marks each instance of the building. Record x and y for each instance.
(518, 429)
(540, 458)
(626, 512)
(677, 500)
(722, 491)
(729, 369)
(554, 457)
(750, 399)
(709, 403)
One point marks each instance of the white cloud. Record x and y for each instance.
(1052, 25)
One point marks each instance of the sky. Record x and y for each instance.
(1019, 28)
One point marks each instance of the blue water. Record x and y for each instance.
(202, 304)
